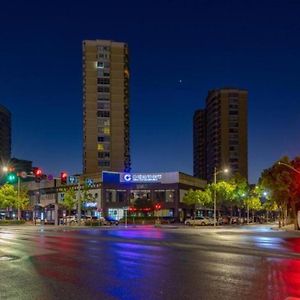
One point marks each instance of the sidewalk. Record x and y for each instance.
(289, 227)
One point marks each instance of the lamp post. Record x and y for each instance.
(216, 172)
(289, 166)
(298, 172)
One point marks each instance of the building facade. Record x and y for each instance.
(115, 192)
(221, 134)
(121, 190)
(105, 106)
(5, 135)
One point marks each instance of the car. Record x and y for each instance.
(198, 221)
(108, 221)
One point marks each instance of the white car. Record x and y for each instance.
(198, 221)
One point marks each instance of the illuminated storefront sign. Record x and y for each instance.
(90, 204)
(126, 177)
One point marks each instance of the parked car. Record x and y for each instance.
(198, 221)
(108, 221)
(68, 220)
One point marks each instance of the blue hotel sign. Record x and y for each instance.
(142, 177)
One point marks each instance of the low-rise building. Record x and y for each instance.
(113, 193)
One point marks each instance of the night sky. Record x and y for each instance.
(178, 51)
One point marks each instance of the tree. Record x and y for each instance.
(253, 203)
(69, 200)
(198, 197)
(283, 184)
(240, 190)
(8, 196)
(22, 202)
(224, 193)
(85, 196)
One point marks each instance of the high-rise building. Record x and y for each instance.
(5, 135)
(221, 134)
(105, 106)
(199, 143)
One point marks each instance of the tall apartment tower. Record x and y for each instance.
(105, 106)
(199, 143)
(5, 135)
(221, 134)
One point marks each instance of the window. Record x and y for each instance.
(170, 196)
(103, 138)
(109, 196)
(103, 105)
(102, 80)
(103, 97)
(103, 89)
(160, 196)
(103, 154)
(121, 196)
(104, 130)
(103, 122)
(103, 114)
(104, 163)
(233, 112)
(100, 64)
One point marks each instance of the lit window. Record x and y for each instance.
(100, 65)
(106, 130)
(100, 147)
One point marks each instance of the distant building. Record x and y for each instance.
(21, 165)
(105, 106)
(5, 135)
(220, 134)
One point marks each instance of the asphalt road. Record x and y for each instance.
(252, 262)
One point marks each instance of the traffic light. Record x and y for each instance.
(12, 177)
(37, 174)
(63, 177)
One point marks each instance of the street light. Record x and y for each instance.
(5, 169)
(216, 172)
(289, 166)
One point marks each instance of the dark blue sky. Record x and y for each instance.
(206, 44)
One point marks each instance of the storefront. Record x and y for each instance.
(127, 191)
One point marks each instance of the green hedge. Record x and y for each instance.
(92, 223)
(139, 220)
(12, 222)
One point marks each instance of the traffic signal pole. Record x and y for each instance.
(78, 201)
(18, 197)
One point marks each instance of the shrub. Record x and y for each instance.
(92, 223)
(12, 222)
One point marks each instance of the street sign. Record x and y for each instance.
(23, 174)
(89, 182)
(72, 180)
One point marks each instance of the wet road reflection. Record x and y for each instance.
(153, 263)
